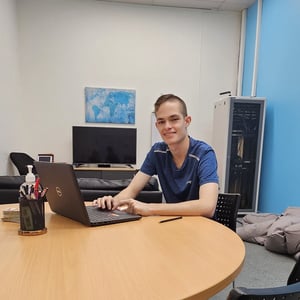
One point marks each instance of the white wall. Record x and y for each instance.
(66, 45)
(10, 100)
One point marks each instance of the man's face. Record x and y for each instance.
(171, 123)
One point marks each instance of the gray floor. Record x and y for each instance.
(262, 268)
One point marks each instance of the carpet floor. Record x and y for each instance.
(262, 268)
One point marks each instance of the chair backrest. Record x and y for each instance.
(21, 160)
(295, 274)
(227, 209)
(289, 292)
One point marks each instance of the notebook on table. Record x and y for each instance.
(64, 197)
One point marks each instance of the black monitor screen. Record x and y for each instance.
(104, 145)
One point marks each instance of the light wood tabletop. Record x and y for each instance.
(189, 258)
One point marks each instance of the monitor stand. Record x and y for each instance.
(77, 165)
(104, 165)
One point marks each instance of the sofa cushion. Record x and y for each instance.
(112, 184)
(143, 196)
(11, 182)
(91, 188)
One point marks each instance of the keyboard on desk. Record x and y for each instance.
(97, 215)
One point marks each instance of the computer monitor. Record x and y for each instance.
(103, 145)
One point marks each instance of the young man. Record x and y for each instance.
(186, 168)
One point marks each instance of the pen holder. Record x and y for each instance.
(32, 216)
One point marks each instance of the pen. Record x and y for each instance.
(172, 219)
(23, 194)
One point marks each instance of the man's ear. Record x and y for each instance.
(187, 120)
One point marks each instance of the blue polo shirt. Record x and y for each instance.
(199, 167)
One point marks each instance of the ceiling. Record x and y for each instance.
(233, 5)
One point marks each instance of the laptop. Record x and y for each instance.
(64, 197)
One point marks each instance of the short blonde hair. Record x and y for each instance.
(171, 98)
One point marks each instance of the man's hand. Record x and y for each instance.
(107, 202)
(131, 206)
(135, 207)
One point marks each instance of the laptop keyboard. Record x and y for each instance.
(96, 215)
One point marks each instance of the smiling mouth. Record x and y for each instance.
(169, 133)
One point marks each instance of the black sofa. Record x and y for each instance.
(90, 188)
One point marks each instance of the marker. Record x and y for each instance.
(172, 219)
(36, 188)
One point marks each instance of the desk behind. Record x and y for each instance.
(105, 173)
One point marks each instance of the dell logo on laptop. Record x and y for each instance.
(58, 191)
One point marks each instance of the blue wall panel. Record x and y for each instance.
(279, 81)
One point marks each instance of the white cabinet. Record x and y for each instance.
(238, 140)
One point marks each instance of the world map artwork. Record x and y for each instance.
(106, 105)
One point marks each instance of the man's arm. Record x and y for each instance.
(131, 191)
(204, 206)
(136, 185)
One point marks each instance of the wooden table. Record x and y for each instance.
(190, 258)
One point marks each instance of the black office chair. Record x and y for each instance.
(21, 160)
(291, 291)
(295, 274)
(227, 209)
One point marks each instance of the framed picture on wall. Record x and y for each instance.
(107, 105)
(46, 157)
